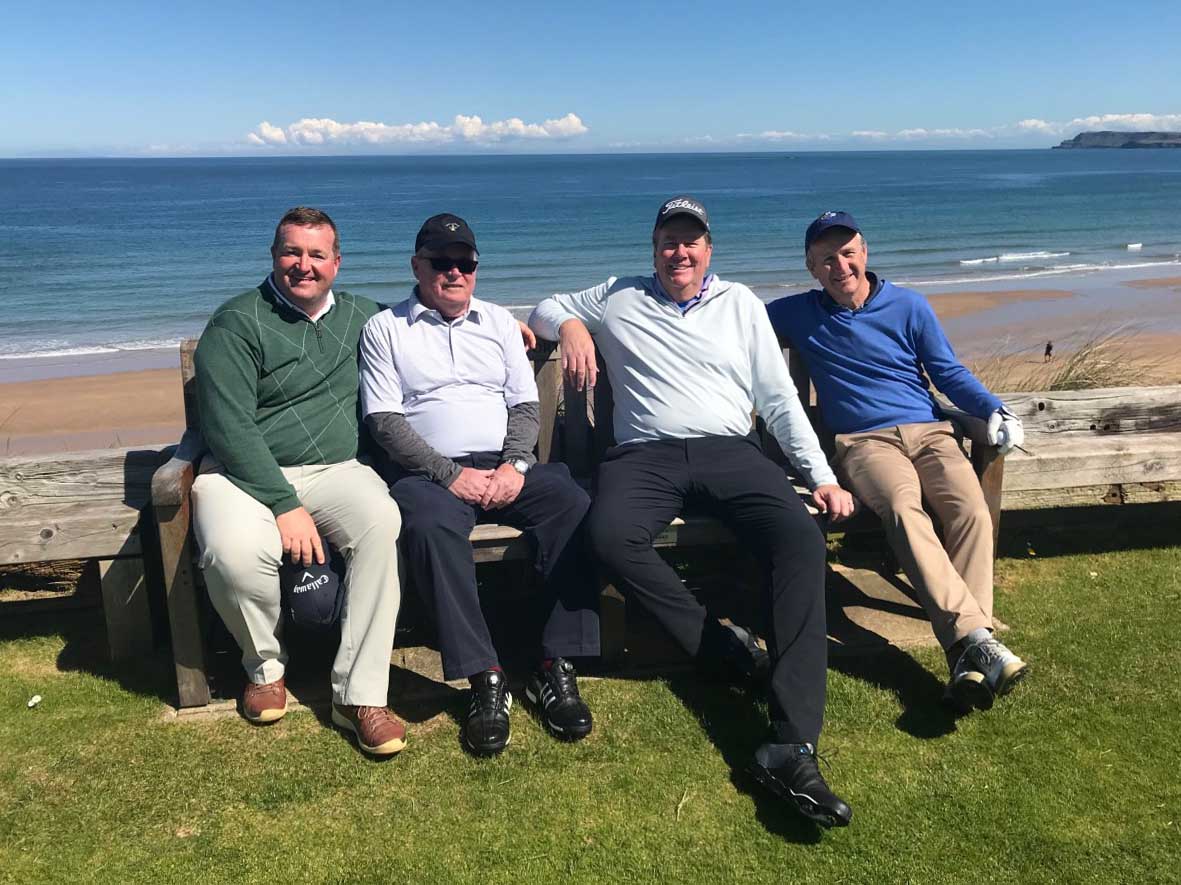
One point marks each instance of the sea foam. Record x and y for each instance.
(1012, 256)
(61, 350)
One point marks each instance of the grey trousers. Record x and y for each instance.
(240, 555)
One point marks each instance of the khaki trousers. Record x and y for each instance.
(892, 471)
(240, 555)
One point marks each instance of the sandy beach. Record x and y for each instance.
(998, 332)
(91, 412)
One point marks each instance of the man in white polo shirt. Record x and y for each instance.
(448, 393)
(689, 357)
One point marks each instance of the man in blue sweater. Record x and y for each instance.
(870, 347)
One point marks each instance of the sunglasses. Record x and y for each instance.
(443, 265)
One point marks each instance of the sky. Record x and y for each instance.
(301, 78)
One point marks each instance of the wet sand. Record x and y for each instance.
(1158, 283)
(956, 304)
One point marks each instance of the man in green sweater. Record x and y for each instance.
(277, 392)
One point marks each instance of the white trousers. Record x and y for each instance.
(240, 557)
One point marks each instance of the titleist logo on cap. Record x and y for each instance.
(682, 204)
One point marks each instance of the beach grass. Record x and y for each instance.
(1107, 354)
(1074, 778)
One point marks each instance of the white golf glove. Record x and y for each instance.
(1005, 431)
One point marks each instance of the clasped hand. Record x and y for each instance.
(490, 489)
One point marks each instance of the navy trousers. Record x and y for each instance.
(643, 486)
(438, 562)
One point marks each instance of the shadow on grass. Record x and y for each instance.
(735, 722)
(918, 691)
(1067, 531)
(83, 635)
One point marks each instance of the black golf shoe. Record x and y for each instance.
(791, 773)
(554, 692)
(485, 732)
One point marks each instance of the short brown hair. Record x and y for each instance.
(305, 216)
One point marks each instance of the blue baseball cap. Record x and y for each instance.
(826, 222)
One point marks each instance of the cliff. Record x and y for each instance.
(1122, 140)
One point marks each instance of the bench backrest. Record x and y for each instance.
(547, 370)
(1082, 414)
(74, 505)
(587, 438)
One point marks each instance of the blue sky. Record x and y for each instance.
(266, 78)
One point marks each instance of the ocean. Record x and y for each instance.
(108, 256)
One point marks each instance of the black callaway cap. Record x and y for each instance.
(682, 205)
(440, 231)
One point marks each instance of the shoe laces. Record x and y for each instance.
(989, 652)
(563, 677)
(372, 715)
(489, 695)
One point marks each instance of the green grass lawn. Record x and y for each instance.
(1076, 777)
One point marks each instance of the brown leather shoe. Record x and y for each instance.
(377, 731)
(265, 703)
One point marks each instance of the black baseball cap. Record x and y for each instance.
(826, 222)
(440, 231)
(312, 595)
(682, 205)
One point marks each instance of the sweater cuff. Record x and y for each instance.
(286, 505)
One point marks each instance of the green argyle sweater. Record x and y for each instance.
(275, 389)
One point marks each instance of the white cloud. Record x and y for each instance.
(1013, 134)
(1117, 122)
(267, 134)
(320, 131)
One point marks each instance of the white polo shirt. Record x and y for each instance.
(454, 380)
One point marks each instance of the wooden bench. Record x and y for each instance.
(570, 432)
(88, 506)
(170, 497)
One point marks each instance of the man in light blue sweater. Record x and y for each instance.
(690, 356)
(870, 347)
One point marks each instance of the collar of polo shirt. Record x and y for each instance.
(417, 309)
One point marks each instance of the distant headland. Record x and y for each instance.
(1109, 139)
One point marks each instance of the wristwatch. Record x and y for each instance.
(520, 465)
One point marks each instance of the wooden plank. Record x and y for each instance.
(125, 607)
(1100, 460)
(548, 374)
(1111, 410)
(75, 505)
(493, 532)
(180, 590)
(1094, 495)
(188, 373)
(694, 531)
(123, 475)
(69, 531)
(612, 626)
(578, 432)
(601, 411)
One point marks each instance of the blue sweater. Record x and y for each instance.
(868, 364)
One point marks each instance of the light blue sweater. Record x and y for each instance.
(701, 373)
(868, 365)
